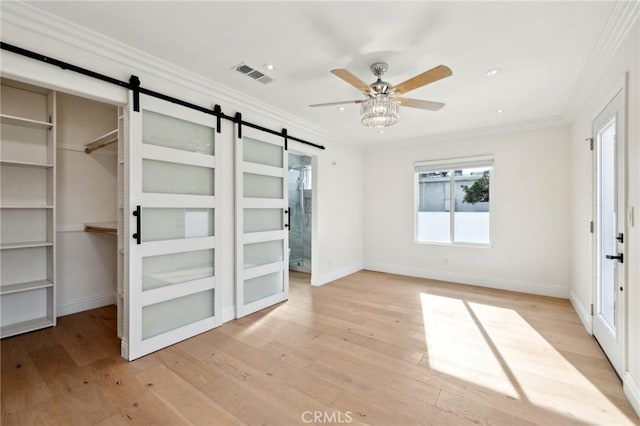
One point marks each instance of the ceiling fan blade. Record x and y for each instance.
(434, 74)
(417, 103)
(337, 103)
(352, 80)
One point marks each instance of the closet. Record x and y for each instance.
(59, 206)
(106, 205)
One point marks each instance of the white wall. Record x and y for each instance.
(529, 213)
(337, 233)
(86, 192)
(627, 59)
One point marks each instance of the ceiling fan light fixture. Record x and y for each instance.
(379, 111)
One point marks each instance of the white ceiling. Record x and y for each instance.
(541, 47)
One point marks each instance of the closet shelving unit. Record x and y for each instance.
(27, 208)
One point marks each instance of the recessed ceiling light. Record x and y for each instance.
(270, 67)
(341, 108)
(493, 71)
(381, 131)
(500, 110)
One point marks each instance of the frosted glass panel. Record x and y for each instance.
(158, 129)
(262, 253)
(259, 220)
(170, 269)
(261, 186)
(172, 178)
(262, 153)
(264, 286)
(173, 224)
(176, 313)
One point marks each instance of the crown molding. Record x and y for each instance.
(622, 19)
(40, 22)
(474, 133)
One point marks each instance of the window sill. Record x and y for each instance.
(454, 244)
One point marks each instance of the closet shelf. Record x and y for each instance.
(110, 228)
(102, 141)
(26, 286)
(23, 327)
(23, 206)
(30, 244)
(24, 122)
(24, 164)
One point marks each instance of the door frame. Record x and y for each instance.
(620, 88)
(314, 206)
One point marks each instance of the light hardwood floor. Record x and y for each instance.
(371, 348)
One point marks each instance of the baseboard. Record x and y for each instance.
(85, 304)
(520, 286)
(583, 313)
(228, 314)
(317, 281)
(632, 391)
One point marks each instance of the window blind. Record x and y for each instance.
(453, 163)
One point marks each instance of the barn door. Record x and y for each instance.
(262, 221)
(173, 254)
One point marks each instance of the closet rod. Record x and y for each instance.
(135, 87)
(102, 141)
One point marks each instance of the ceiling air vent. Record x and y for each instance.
(255, 74)
(245, 69)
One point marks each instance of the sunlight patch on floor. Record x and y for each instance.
(488, 341)
(450, 330)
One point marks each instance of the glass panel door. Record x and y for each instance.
(608, 323)
(172, 248)
(261, 221)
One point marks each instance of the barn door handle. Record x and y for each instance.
(288, 213)
(138, 235)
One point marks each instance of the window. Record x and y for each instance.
(453, 200)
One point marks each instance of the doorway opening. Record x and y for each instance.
(300, 207)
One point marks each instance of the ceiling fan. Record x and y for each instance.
(380, 108)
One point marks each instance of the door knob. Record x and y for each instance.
(619, 257)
